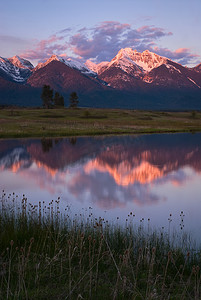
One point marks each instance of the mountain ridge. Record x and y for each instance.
(129, 74)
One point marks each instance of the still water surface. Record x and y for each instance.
(151, 176)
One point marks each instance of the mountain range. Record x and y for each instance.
(130, 80)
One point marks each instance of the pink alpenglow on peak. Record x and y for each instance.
(16, 69)
(97, 68)
(21, 62)
(52, 58)
(146, 60)
(127, 59)
(67, 61)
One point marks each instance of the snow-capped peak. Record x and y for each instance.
(12, 71)
(130, 60)
(21, 62)
(52, 58)
(74, 64)
(125, 60)
(125, 52)
(146, 60)
(55, 57)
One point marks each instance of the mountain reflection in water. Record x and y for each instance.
(106, 172)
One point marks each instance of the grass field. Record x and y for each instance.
(46, 253)
(25, 122)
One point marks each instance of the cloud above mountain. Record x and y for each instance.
(182, 55)
(104, 40)
(45, 48)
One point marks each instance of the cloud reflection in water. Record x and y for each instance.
(108, 172)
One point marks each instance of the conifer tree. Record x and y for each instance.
(73, 100)
(47, 96)
(58, 99)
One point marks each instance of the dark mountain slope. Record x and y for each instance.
(63, 78)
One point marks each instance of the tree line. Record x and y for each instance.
(51, 99)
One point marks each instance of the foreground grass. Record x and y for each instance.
(71, 122)
(47, 254)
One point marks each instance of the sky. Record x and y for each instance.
(97, 30)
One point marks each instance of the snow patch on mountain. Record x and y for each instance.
(148, 79)
(79, 66)
(193, 82)
(172, 68)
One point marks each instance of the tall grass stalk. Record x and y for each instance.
(46, 252)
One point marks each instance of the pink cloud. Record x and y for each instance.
(182, 55)
(182, 50)
(45, 48)
(149, 29)
(109, 27)
(104, 40)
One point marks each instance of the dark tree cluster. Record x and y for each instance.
(49, 99)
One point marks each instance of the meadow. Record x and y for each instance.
(38, 122)
(48, 253)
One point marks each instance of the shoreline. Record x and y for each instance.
(47, 123)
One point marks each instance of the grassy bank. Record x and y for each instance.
(46, 253)
(18, 122)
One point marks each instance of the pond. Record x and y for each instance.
(156, 177)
